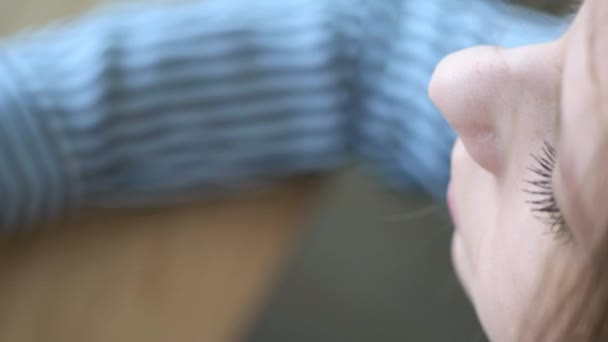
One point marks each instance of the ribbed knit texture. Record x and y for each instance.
(143, 104)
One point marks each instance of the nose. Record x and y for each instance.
(467, 86)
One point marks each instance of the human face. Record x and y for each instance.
(506, 105)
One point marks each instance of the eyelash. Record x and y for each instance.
(543, 204)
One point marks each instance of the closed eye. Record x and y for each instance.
(540, 188)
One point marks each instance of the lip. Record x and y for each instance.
(451, 204)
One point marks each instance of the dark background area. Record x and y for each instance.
(374, 266)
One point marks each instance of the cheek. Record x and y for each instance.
(510, 266)
(499, 249)
(479, 251)
(580, 180)
(474, 202)
(510, 282)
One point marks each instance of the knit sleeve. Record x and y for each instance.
(36, 177)
(143, 104)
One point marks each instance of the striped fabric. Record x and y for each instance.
(141, 104)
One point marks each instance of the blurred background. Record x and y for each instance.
(373, 266)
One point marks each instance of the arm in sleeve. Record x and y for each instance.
(143, 104)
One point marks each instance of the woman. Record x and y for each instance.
(142, 104)
(528, 188)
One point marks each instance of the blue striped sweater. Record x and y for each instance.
(149, 103)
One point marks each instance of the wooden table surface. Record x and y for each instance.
(191, 273)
